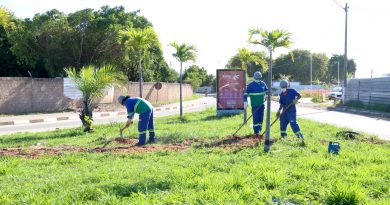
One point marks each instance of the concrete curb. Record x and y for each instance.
(95, 115)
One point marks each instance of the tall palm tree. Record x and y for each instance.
(92, 82)
(184, 52)
(246, 57)
(271, 40)
(138, 42)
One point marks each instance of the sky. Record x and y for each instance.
(219, 27)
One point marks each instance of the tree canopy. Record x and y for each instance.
(253, 60)
(197, 77)
(332, 65)
(298, 69)
(53, 40)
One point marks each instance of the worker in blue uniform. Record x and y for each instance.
(145, 111)
(288, 98)
(256, 90)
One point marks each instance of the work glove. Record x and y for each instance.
(295, 101)
(245, 105)
(278, 113)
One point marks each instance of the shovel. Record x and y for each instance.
(277, 118)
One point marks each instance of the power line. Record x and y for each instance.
(373, 9)
(338, 4)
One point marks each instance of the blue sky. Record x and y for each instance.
(219, 27)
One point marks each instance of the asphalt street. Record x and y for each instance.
(369, 125)
(47, 126)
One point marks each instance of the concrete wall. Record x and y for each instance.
(168, 92)
(369, 91)
(20, 95)
(24, 95)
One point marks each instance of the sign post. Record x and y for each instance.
(230, 91)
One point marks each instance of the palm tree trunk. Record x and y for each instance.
(181, 90)
(140, 77)
(86, 115)
(268, 127)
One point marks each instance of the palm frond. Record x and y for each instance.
(184, 52)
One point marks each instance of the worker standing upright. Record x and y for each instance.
(288, 98)
(145, 111)
(256, 90)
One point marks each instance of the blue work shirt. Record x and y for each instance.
(256, 90)
(137, 105)
(286, 98)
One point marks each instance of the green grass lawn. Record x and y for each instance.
(288, 173)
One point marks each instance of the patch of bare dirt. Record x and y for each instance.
(128, 146)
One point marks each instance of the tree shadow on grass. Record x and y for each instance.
(146, 186)
(31, 137)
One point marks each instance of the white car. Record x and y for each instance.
(335, 93)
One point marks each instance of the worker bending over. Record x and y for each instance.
(288, 98)
(145, 111)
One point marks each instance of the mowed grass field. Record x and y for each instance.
(289, 173)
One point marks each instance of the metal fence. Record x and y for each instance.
(371, 91)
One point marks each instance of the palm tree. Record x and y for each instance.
(92, 82)
(271, 40)
(246, 57)
(184, 52)
(138, 42)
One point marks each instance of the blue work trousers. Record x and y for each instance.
(290, 116)
(145, 125)
(258, 116)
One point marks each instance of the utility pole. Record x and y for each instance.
(345, 51)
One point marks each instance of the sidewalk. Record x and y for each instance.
(62, 116)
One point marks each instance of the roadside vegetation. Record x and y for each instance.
(289, 173)
(373, 107)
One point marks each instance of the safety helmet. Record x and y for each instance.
(121, 99)
(257, 75)
(284, 84)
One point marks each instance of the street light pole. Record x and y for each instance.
(345, 51)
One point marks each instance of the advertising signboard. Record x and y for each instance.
(230, 91)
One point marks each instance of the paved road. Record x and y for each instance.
(369, 125)
(46, 126)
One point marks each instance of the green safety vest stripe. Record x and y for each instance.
(136, 105)
(262, 93)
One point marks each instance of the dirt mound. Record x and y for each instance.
(131, 147)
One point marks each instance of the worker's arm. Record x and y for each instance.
(246, 94)
(128, 123)
(297, 97)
